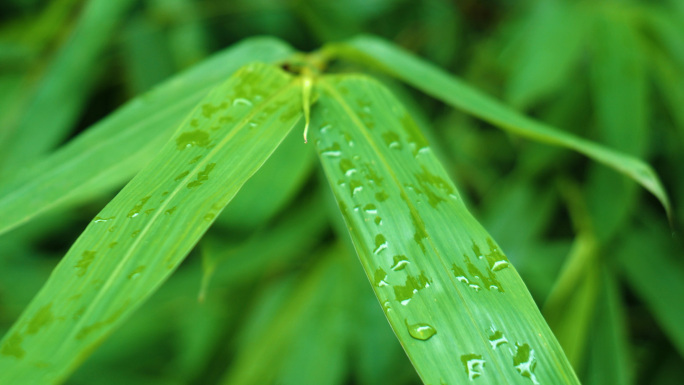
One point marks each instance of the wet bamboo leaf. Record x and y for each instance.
(114, 149)
(144, 233)
(456, 304)
(451, 90)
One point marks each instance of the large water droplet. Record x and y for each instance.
(370, 209)
(380, 278)
(525, 362)
(473, 364)
(421, 331)
(380, 244)
(400, 262)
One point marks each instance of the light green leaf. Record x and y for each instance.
(144, 233)
(272, 187)
(451, 90)
(113, 150)
(457, 306)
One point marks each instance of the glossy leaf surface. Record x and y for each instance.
(458, 307)
(117, 147)
(142, 235)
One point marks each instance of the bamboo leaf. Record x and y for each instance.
(457, 306)
(306, 320)
(63, 89)
(549, 48)
(609, 358)
(622, 117)
(114, 149)
(651, 263)
(144, 233)
(451, 90)
(272, 187)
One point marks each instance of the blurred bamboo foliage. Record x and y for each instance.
(595, 250)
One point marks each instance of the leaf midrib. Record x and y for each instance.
(412, 208)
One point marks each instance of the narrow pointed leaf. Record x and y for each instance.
(114, 149)
(61, 93)
(144, 233)
(457, 306)
(451, 90)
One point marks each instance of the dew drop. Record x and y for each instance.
(189, 139)
(82, 265)
(380, 278)
(136, 273)
(497, 339)
(525, 362)
(380, 244)
(473, 364)
(370, 209)
(500, 265)
(202, 176)
(333, 152)
(421, 331)
(400, 263)
(135, 211)
(101, 219)
(381, 196)
(242, 101)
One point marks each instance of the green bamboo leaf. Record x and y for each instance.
(451, 90)
(622, 116)
(457, 306)
(549, 47)
(114, 149)
(63, 89)
(609, 356)
(145, 232)
(651, 263)
(272, 187)
(306, 319)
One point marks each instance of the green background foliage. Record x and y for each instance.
(92, 91)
